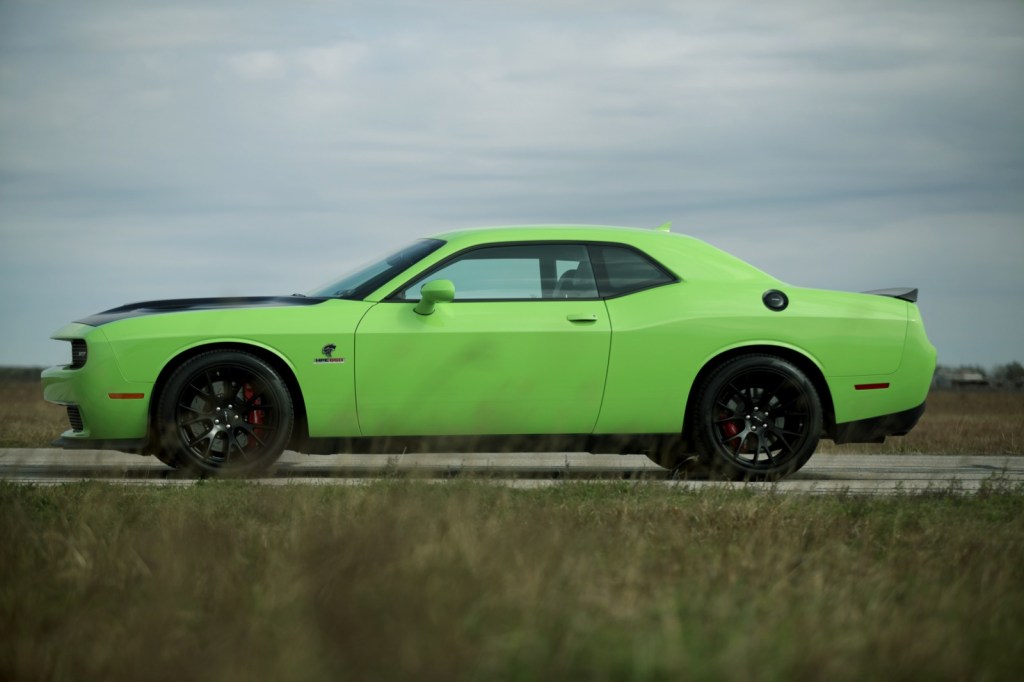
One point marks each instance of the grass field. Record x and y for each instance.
(954, 423)
(466, 581)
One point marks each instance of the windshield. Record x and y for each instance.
(361, 283)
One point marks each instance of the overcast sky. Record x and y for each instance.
(172, 149)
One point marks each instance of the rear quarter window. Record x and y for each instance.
(622, 270)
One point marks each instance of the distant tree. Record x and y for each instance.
(1012, 372)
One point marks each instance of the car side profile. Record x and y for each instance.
(586, 338)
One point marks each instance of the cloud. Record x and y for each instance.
(258, 65)
(831, 144)
(326, 63)
(330, 62)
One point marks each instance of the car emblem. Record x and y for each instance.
(328, 356)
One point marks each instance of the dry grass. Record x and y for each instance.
(955, 423)
(466, 581)
(26, 420)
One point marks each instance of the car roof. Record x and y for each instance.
(684, 255)
(609, 233)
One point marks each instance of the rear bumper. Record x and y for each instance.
(875, 429)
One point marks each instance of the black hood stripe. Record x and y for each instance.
(177, 305)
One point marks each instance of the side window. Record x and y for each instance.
(623, 271)
(515, 272)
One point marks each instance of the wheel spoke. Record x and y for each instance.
(737, 395)
(196, 420)
(724, 439)
(229, 441)
(203, 393)
(739, 444)
(782, 439)
(251, 432)
(238, 446)
(237, 394)
(208, 435)
(209, 384)
(768, 396)
(209, 447)
(792, 401)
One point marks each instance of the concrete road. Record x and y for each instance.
(870, 474)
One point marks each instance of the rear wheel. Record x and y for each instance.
(756, 417)
(224, 412)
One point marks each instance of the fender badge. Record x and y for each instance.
(327, 351)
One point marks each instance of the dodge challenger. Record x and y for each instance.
(596, 339)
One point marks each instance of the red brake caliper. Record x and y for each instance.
(255, 416)
(729, 429)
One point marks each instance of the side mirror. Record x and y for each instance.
(434, 292)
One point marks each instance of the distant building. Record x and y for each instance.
(958, 378)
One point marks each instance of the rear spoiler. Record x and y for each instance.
(904, 294)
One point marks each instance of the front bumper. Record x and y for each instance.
(103, 407)
(875, 429)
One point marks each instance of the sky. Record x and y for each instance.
(173, 149)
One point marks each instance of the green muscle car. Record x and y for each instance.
(597, 339)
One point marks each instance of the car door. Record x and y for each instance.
(522, 349)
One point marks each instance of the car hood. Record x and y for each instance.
(176, 305)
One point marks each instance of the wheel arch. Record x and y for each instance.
(802, 361)
(272, 358)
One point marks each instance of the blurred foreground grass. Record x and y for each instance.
(469, 581)
(954, 423)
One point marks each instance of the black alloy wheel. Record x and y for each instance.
(224, 412)
(757, 417)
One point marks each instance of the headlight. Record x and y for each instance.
(79, 353)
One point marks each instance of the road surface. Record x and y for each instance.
(870, 474)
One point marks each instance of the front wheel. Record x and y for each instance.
(224, 412)
(756, 417)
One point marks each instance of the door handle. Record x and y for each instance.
(582, 318)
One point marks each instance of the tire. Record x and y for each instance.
(756, 417)
(224, 413)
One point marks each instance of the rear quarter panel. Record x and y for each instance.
(661, 338)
